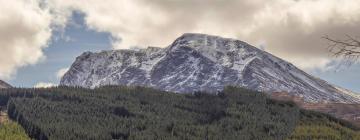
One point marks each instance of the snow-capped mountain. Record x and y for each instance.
(196, 62)
(4, 84)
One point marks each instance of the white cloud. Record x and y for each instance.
(291, 29)
(60, 73)
(24, 32)
(44, 85)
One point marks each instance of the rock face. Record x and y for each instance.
(196, 62)
(4, 85)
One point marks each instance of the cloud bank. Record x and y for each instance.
(290, 29)
(44, 85)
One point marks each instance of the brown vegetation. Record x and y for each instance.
(349, 112)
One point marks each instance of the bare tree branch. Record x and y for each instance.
(347, 49)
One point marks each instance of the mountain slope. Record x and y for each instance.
(4, 84)
(200, 62)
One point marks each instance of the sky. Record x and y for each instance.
(39, 39)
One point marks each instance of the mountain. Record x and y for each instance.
(196, 62)
(4, 84)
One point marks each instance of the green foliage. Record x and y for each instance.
(319, 126)
(12, 131)
(138, 113)
(144, 113)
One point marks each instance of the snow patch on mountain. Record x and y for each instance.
(196, 62)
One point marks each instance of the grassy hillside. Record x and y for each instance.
(143, 113)
(10, 130)
(318, 126)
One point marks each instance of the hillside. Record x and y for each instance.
(199, 62)
(144, 113)
(10, 130)
(317, 126)
(349, 112)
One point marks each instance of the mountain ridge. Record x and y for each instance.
(202, 62)
(4, 84)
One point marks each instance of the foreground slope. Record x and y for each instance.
(142, 113)
(10, 130)
(197, 62)
(349, 112)
(318, 126)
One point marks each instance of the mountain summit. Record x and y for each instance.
(199, 62)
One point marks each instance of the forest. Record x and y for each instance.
(139, 113)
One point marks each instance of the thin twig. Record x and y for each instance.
(348, 49)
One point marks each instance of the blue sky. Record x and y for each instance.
(346, 77)
(40, 37)
(62, 52)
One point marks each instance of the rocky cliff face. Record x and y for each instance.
(196, 62)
